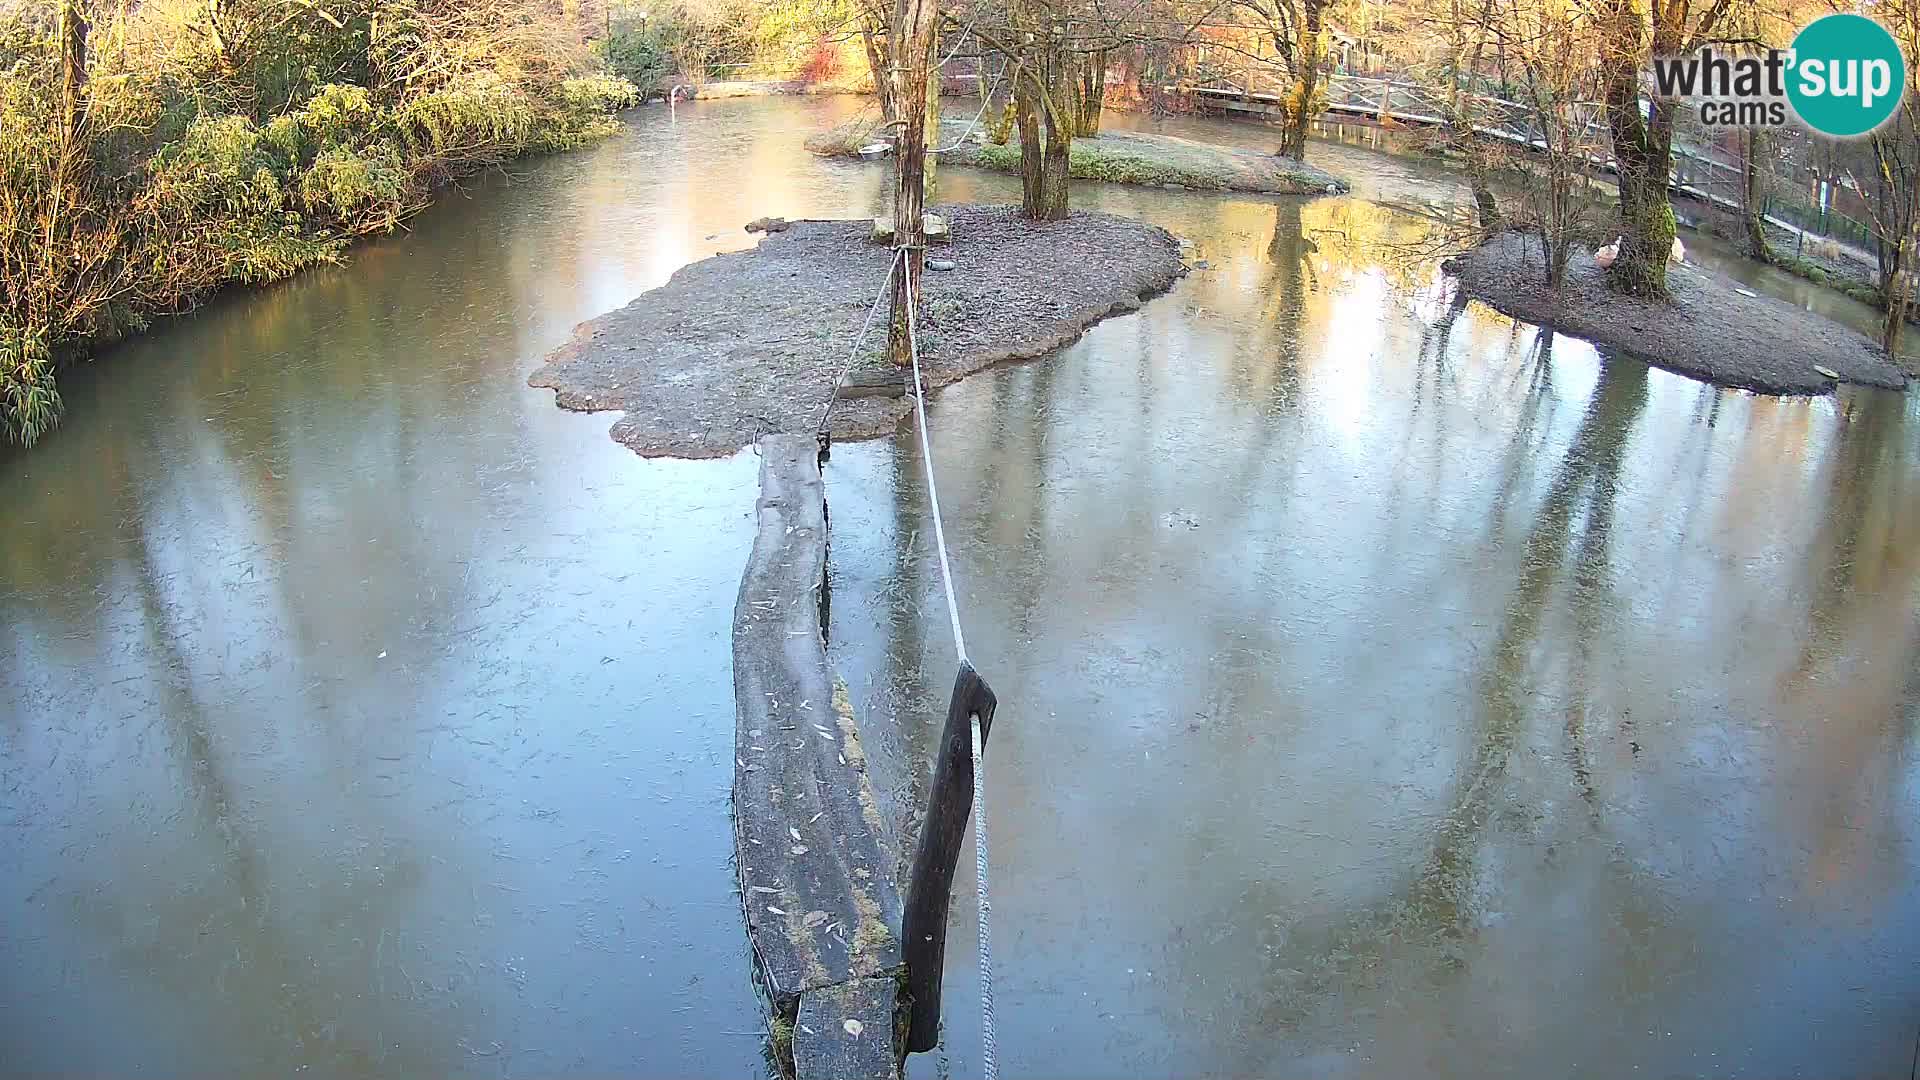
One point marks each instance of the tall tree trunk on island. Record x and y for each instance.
(1897, 293)
(930, 166)
(1896, 219)
(912, 43)
(1753, 195)
(1462, 117)
(1898, 281)
(1026, 111)
(1643, 153)
(1643, 142)
(1055, 163)
(1306, 78)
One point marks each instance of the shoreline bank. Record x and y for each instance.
(1706, 330)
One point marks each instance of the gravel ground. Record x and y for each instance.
(751, 342)
(1706, 330)
(1119, 157)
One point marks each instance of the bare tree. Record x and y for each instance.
(879, 52)
(1467, 26)
(1547, 43)
(1895, 206)
(913, 40)
(1633, 32)
(1294, 29)
(1755, 145)
(1046, 45)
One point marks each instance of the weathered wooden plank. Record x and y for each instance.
(890, 382)
(845, 1032)
(930, 886)
(815, 864)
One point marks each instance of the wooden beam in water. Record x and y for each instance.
(930, 888)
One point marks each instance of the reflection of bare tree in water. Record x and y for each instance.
(1437, 336)
(271, 1006)
(1269, 352)
(1856, 671)
(1583, 489)
(1428, 920)
(1592, 563)
(1535, 417)
(1273, 346)
(1432, 375)
(1014, 486)
(1292, 275)
(1865, 544)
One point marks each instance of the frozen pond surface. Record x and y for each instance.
(1386, 691)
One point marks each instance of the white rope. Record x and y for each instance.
(989, 1067)
(989, 1064)
(853, 353)
(926, 458)
(965, 31)
(986, 99)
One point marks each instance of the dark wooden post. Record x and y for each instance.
(911, 40)
(930, 891)
(73, 69)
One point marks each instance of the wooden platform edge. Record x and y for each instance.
(848, 1032)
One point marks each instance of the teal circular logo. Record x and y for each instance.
(1846, 75)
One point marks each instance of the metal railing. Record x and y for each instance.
(1700, 170)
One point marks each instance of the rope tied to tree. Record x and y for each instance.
(989, 1064)
(853, 352)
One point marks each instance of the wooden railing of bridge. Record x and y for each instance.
(1698, 170)
(1260, 92)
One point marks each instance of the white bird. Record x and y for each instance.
(1605, 256)
(1679, 252)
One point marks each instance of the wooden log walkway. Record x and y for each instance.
(815, 859)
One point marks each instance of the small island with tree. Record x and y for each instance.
(1552, 253)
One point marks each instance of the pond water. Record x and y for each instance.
(1389, 689)
(1386, 688)
(363, 713)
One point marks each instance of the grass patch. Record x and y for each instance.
(780, 1043)
(1810, 270)
(1091, 161)
(1118, 157)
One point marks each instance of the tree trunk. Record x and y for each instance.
(912, 43)
(877, 66)
(217, 35)
(1753, 196)
(1643, 145)
(996, 105)
(1896, 291)
(1461, 120)
(1556, 260)
(1026, 106)
(930, 167)
(1896, 232)
(1055, 162)
(1059, 74)
(1643, 153)
(1306, 76)
(1092, 95)
(73, 70)
(1483, 200)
